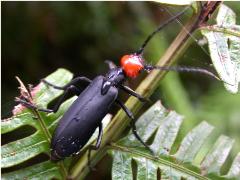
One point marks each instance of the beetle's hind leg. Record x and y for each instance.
(133, 126)
(31, 106)
(74, 82)
(70, 91)
(96, 146)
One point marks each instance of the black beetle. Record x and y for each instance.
(85, 115)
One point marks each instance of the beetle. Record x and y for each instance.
(85, 115)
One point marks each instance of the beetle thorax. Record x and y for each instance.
(114, 77)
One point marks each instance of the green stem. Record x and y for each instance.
(43, 126)
(49, 137)
(26, 93)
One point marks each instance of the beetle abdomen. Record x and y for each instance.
(81, 120)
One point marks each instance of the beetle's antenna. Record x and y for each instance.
(184, 69)
(189, 33)
(140, 51)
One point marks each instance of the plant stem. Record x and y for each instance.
(49, 137)
(27, 94)
(43, 126)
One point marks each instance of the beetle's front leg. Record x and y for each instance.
(133, 93)
(96, 146)
(132, 123)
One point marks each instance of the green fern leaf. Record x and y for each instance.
(160, 127)
(223, 41)
(19, 151)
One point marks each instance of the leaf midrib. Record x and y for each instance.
(24, 149)
(42, 172)
(159, 160)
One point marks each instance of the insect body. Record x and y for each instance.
(82, 118)
(85, 115)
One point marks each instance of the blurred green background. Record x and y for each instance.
(39, 37)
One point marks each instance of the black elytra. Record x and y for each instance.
(85, 115)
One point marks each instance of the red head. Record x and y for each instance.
(132, 65)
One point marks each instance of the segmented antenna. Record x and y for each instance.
(140, 51)
(182, 69)
(174, 68)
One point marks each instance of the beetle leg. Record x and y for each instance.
(70, 91)
(99, 138)
(31, 106)
(133, 93)
(75, 81)
(132, 123)
(96, 146)
(134, 130)
(127, 111)
(100, 134)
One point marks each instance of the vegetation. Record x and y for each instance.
(188, 151)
